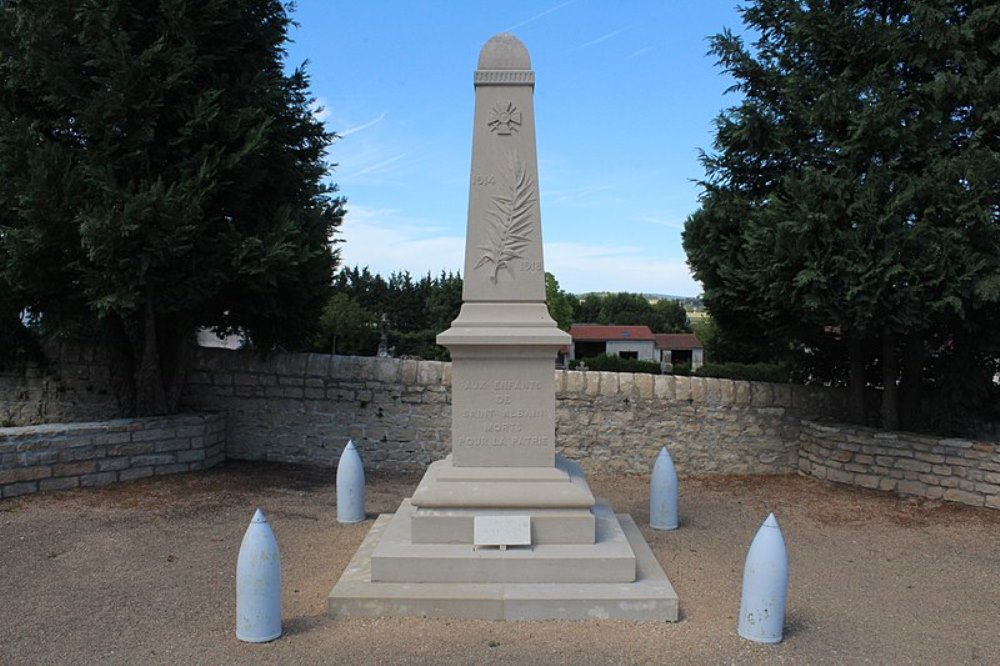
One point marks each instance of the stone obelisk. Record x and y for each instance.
(503, 528)
(504, 343)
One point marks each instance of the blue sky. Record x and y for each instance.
(625, 96)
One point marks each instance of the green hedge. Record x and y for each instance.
(616, 364)
(755, 372)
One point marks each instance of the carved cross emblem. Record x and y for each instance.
(505, 118)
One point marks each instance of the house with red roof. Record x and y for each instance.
(636, 342)
(680, 349)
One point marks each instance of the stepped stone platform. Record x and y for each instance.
(650, 596)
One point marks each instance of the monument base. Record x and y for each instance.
(649, 597)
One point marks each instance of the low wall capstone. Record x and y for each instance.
(61, 456)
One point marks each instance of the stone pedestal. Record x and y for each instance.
(582, 560)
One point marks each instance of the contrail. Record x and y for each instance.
(358, 128)
(538, 16)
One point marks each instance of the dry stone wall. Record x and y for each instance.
(955, 470)
(61, 456)
(73, 386)
(304, 408)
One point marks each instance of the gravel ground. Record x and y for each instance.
(145, 573)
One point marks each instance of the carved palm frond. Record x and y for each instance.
(509, 226)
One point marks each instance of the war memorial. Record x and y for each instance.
(503, 528)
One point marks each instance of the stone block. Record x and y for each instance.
(112, 438)
(839, 476)
(19, 474)
(387, 370)
(992, 502)
(172, 445)
(644, 386)
(153, 459)
(664, 387)
(913, 465)
(575, 383)
(130, 449)
(626, 382)
(75, 468)
(963, 497)
(727, 391)
(887, 484)
(63, 483)
(17, 489)
(682, 388)
(741, 393)
(112, 464)
(98, 479)
(761, 394)
(911, 488)
(318, 365)
(409, 372)
(190, 456)
(867, 480)
(176, 468)
(155, 434)
(697, 389)
(429, 372)
(609, 383)
(934, 492)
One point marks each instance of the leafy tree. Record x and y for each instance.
(625, 309)
(159, 171)
(853, 195)
(669, 317)
(559, 302)
(347, 328)
(586, 310)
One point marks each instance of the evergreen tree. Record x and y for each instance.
(159, 171)
(853, 195)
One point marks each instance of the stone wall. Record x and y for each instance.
(955, 470)
(56, 457)
(72, 386)
(304, 408)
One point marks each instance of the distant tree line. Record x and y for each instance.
(411, 312)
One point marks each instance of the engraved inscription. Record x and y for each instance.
(509, 220)
(505, 118)
(483, 181)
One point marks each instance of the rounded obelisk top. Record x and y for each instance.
(504, 51)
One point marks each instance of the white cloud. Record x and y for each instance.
(581, 268)
(318, 109)
(387, 241)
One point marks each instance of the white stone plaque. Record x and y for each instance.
(501, 531)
